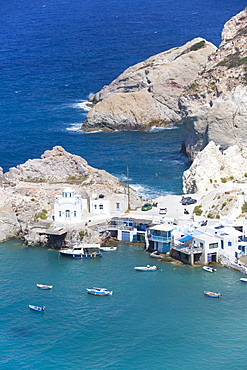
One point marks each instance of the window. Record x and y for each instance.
(229, 244)
(60, 214)
(95, 206)
(201, 245)
(101, 206)
(213, 245)
(74, 213)
(67, 213)
(117, 206)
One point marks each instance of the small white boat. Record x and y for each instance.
(44, 287)
(146, 268)
(36, 308)
(155, 254)
(99, 291)
(108, 248)
(244, 280)
(209, 269)
(82, 251)
(212, 294)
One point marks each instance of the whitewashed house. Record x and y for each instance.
(68, 207)
(101, 205)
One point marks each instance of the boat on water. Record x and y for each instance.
(209, 269)
(155, 254)
(44, 287)
(212, 294)
(36, 308)
(244, 280)
(146, 268)
(99, 291)
(108, 248)
(82, 251)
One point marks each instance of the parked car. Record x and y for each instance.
(188, 200)
(163, 211)
(146, 207)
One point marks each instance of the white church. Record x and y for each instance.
(68, 207)
(71, 208)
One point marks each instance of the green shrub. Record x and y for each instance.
(223, 205)
(223, 179)
(197, 210)
(210, 215)
(217, 216)
(82, 233)
(32, 199)
(244, 207)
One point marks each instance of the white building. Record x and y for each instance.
(69, 207)
(99, 204)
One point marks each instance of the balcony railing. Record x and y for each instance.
(162, 239)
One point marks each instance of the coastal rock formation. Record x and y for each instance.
(220, 180)
(54, 165)
(27, 192)
(212, 167)
(215, 105)
(147, 93)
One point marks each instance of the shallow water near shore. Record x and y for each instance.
(154, 320)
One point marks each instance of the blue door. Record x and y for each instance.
(126, 236)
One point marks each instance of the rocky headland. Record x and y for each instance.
(197, 84)
(146, 94)
(27, 192)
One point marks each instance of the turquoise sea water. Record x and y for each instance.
(155, 320)
(52, 56)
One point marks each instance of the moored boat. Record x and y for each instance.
(244, 280)
(99, 291)
(108, 248)
(212, 294)
(146, 268)
(36, 308)
(44, 287)
(82, 251)
(155, 254)
(209, 269)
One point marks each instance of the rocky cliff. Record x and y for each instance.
(198, 84)
(27, 191)
(147, 93)
(220, 177)
(214, 106)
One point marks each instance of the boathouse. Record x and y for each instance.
(159, 238)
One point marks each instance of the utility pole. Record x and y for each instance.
(128, 187)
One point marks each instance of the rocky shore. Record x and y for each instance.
(27, 192)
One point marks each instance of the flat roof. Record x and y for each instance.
(162, 227)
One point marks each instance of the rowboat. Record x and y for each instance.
(209, 269)
(99, 291)
(108, 249)
(212, 294)
(146, 268)
(36, 308)
(44, 287)
(82, 251)
(244, 280)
